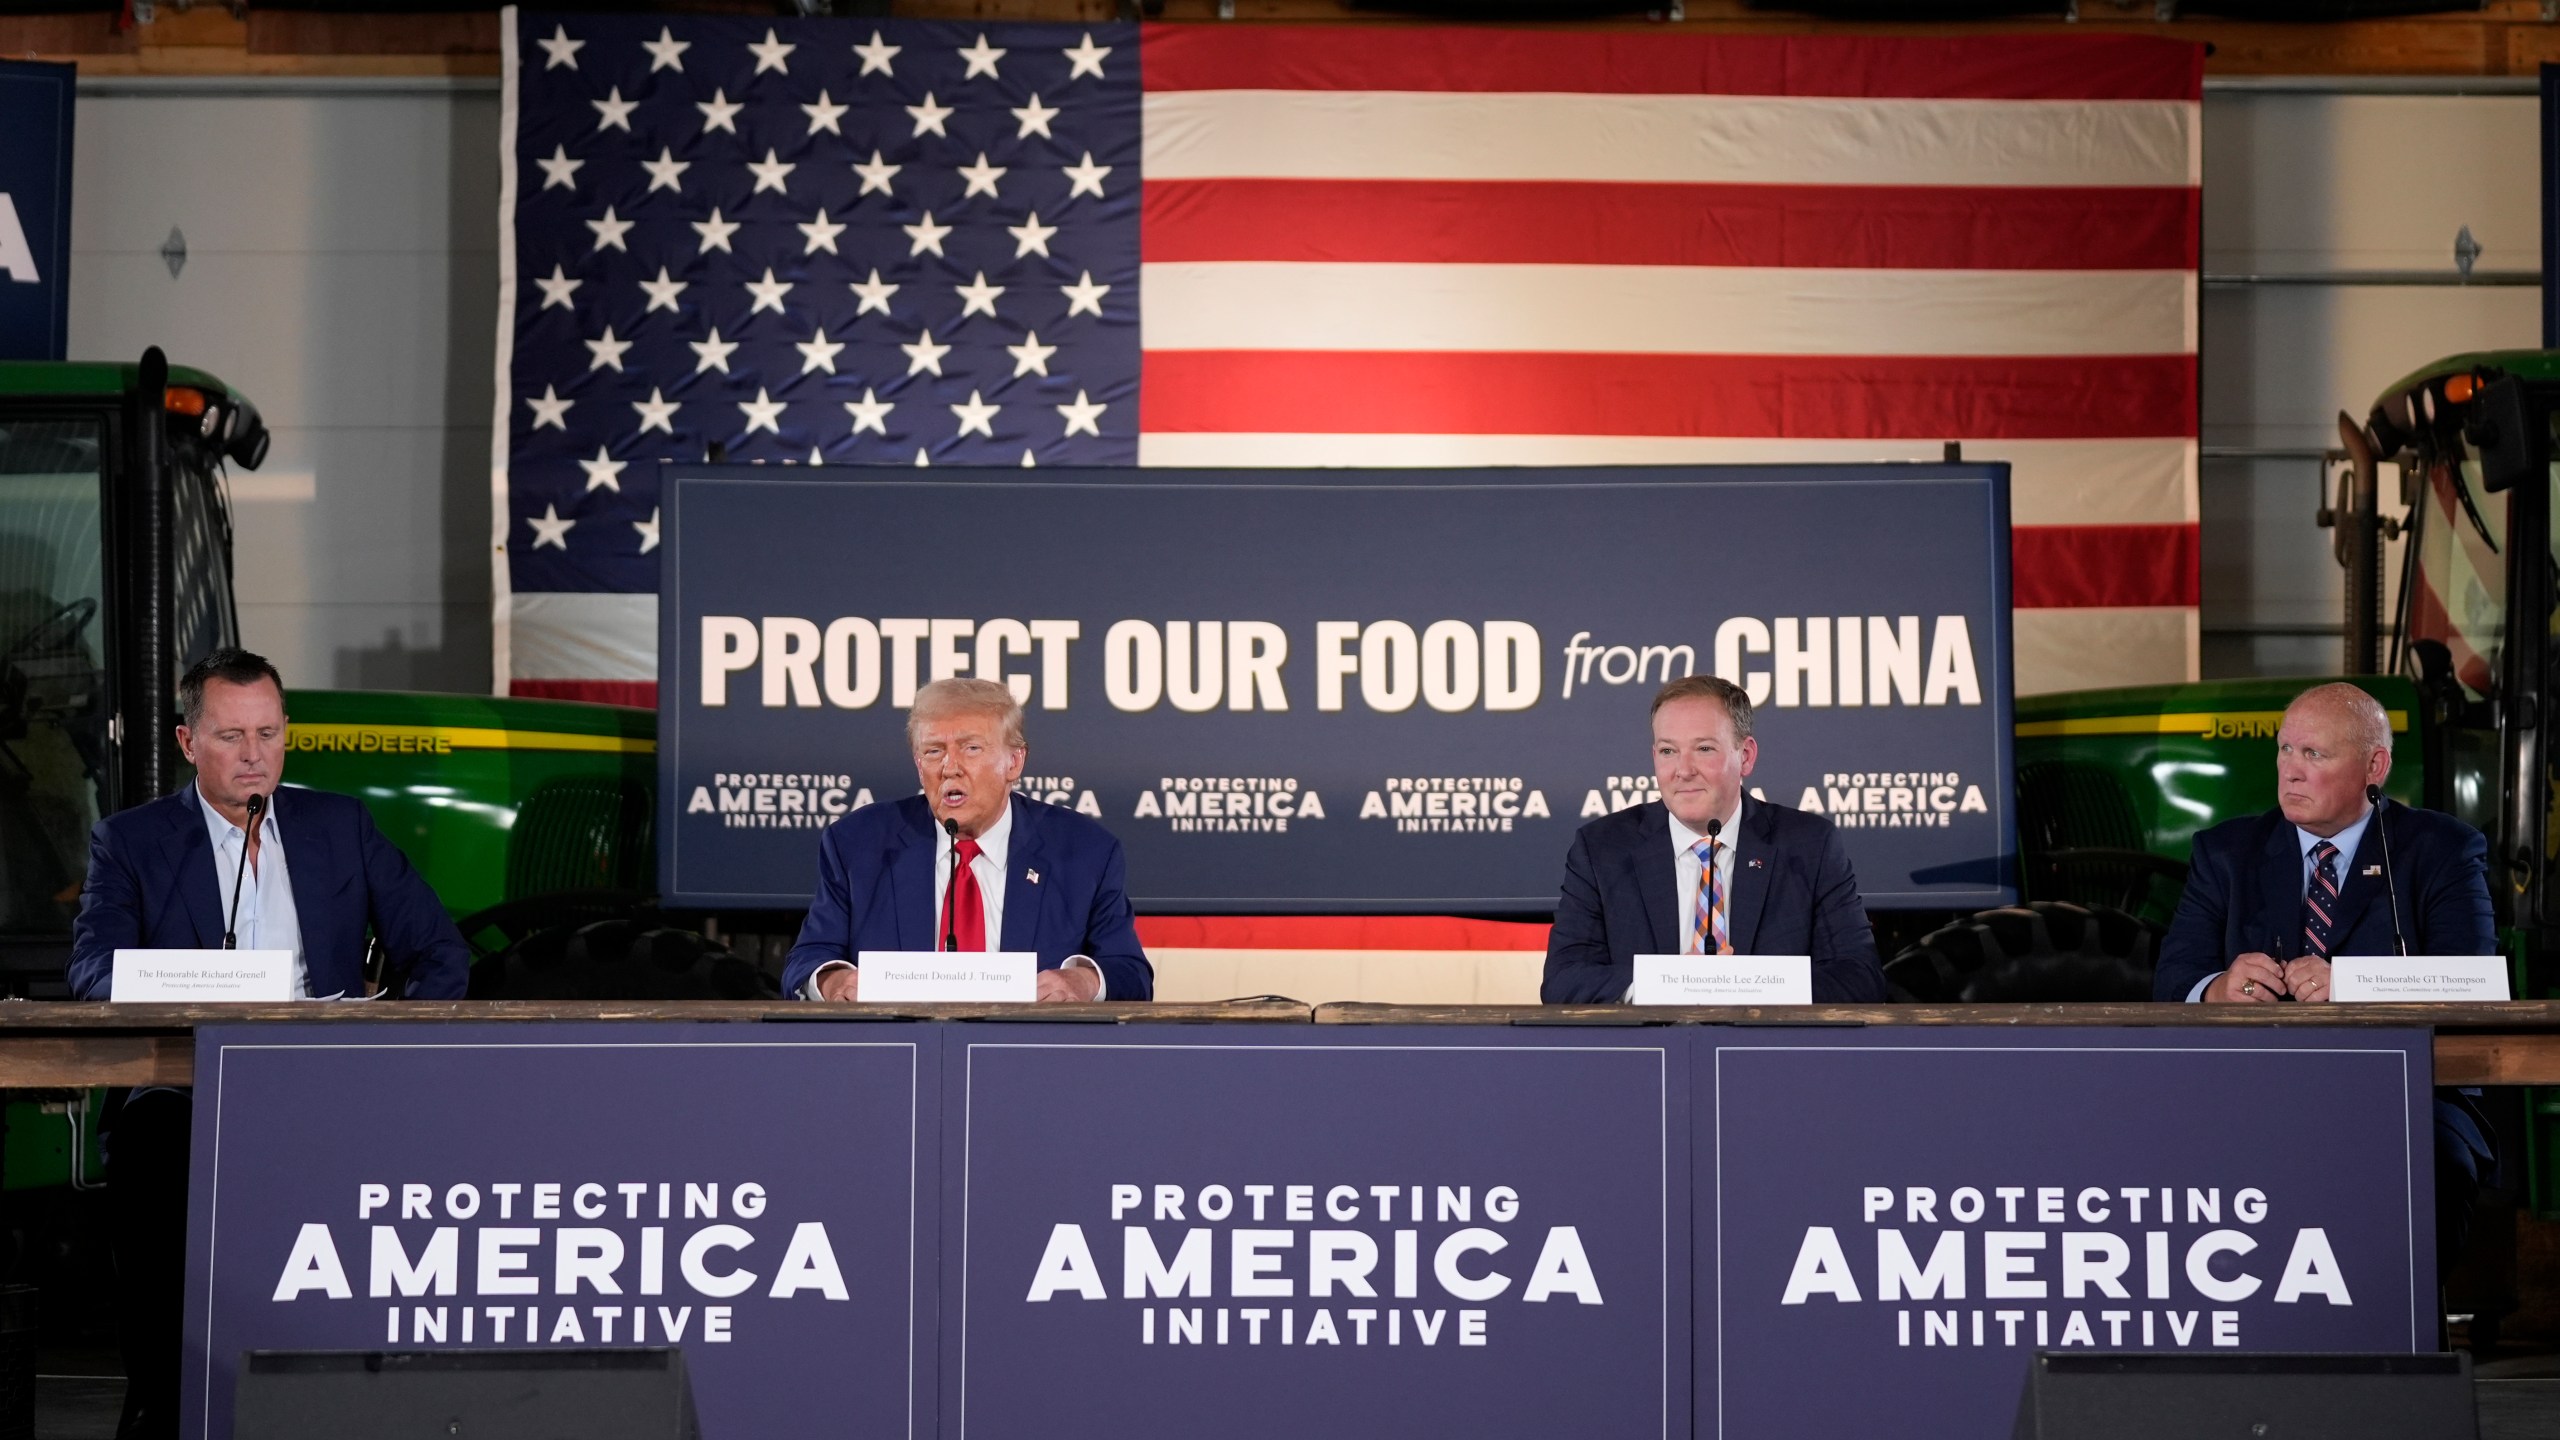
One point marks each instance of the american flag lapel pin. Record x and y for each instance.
(1031, 875)
(2371, 870)
(1755, 863)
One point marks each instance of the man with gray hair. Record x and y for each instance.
(1029, 875)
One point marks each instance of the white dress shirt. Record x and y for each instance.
(267, 919)
(989, 868)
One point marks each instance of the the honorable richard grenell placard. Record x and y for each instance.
(762, 1200)
(1268, 1238)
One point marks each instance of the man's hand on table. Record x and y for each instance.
(1071, 983)
(2254, 978)
(841, 982)
(2307, 978)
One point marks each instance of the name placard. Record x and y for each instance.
(2372, 979)
(934, 977)
(1722, 980)
(198, 977)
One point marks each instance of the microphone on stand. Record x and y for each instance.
(950, 887)
(248, 837)
(2390, 880)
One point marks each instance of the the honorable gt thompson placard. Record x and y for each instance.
(1338, 691)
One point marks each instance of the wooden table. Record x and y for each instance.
(66, 1046)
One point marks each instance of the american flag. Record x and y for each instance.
(921, 242)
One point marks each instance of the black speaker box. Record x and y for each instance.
(2081, 1395)
(596, 1394)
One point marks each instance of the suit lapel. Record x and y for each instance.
(911, 861)
(1750, 881)
(2279, 906)
(311, 873)
(1025, 894)
(1655, 882)
(2357, 890)
(190, 856)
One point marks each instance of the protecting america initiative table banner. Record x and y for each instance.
(1339, 691)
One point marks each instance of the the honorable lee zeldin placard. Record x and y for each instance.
(1338, 691)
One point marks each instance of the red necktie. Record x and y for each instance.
(968, 909)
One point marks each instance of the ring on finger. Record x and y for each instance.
(2250, 988)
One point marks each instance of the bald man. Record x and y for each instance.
(2271, 897)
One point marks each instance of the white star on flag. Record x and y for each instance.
(773, 170)
(875, 293)
(1082, 416)
(929, 116)
(771, 54)
(818, 352)
(981, 59)
(557, 289)
(657, 412)
(560, 50)
(559, 172)
(824, 115)
(549, 409)
(1086, 179)
(719, 112)
(648, 531)
(1035, 118)
(613, 112)
(1084, 297)
(869, 413)
(763, 413)
(1030, 357)
(875, 176)
(665, 171)
(978, 297)
(981, 178)
(977, 415)
(603, 472)
(768, 293)
(876, 55)
(1086, 58)
(715, 232)
(924, 354)
(610, 230)
(1030, 237)
(662, 292)
(549, 529)
(666, 52)
(820, 234)
(607, 351)
(712, 353)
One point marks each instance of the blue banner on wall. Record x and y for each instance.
(1330, 691)
(35, 208)
(1268, 1231)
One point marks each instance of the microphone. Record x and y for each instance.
(249, 835)
(2390, 881)
(1714, 828)
(951, 887)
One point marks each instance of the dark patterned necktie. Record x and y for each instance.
(2320, 900)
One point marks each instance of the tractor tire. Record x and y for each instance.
(2046, 951)
(620, 959)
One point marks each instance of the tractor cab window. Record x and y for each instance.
(53, 680)
(2458, 591)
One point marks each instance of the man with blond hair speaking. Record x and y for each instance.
(1030, 876)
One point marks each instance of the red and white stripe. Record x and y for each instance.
(1466, 247)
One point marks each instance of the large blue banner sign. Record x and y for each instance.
(380, 1187)
(1338, 691)
(1050, 1232)
(1924, 1209)
(35, 208)
(1253, 1235)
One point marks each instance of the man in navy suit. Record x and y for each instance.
(2271, 897)
(1707, 869)
(312, 875)
(1031, 876)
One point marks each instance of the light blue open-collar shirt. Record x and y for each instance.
(267, 919)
